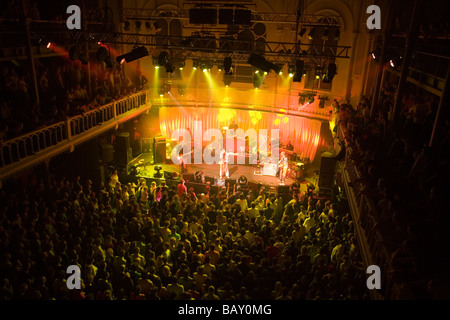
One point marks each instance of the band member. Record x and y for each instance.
(223, 164)
(283, 166)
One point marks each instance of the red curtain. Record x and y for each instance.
(303, 133)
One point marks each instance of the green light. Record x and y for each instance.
(265, 72)
(156, 67)
(257, 71)
(291, 75)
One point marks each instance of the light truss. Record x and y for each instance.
(264, 17)
(277, 51)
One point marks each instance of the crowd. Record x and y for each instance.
(145, 242)
(63, 92)
(407, 180)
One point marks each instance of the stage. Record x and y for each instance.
(144, 166)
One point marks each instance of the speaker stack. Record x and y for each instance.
(159, 149)
(326, 175)
(122, 149)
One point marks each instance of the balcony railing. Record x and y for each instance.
(365, 216)
(64, 133)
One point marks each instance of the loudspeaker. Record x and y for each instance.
(283, 189)
(198, 187)
(122, 150)
(107, 153)
(242, 17)
(230, 181)
(325, 193)
(212, 180)
(327, 171)
(202, 16)
(159, 150)
(188, 176)
(254, 186)
(214, 190)
(226, 16)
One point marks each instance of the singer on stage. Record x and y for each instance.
(223, 165)
(283, 167)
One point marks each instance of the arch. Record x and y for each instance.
(334, 8)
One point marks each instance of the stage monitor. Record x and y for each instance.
(168, 175)
(212, 180)
(230, 181)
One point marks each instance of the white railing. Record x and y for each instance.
(17, 149)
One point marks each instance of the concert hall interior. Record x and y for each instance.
(219, 150)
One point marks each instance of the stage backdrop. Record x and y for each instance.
(303, 133)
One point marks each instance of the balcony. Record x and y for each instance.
(32, 148)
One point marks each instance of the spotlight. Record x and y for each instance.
(291, 71)
(330, 73)
(261, 63)
(311, 33)
(182, 91)
(161, 92)
(158, 173)
(257, 81)
(337, 34)
(148, 26)
(157, 26)
(50, 45)
(227, 63)
(302, 32)
(134, 54)
(302, 100)
(311, 99)
(137, 26)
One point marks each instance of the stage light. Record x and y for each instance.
(330, 73)
(137, 26)
(302, 32)
(317, 77)
(261, 63)
(291, 71)
(126, 26)
(148, 26)
(49, 45)
(134, 54)
(156, 67)
(301, 100)
(161, 92)
(205, 70)
(311, 33)
(265, 72)
(158, 173)
(299, 65)
(337, 34)
(182, 91)
(257, 71)
(227, 63)
(311, 99)
(374, 56)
